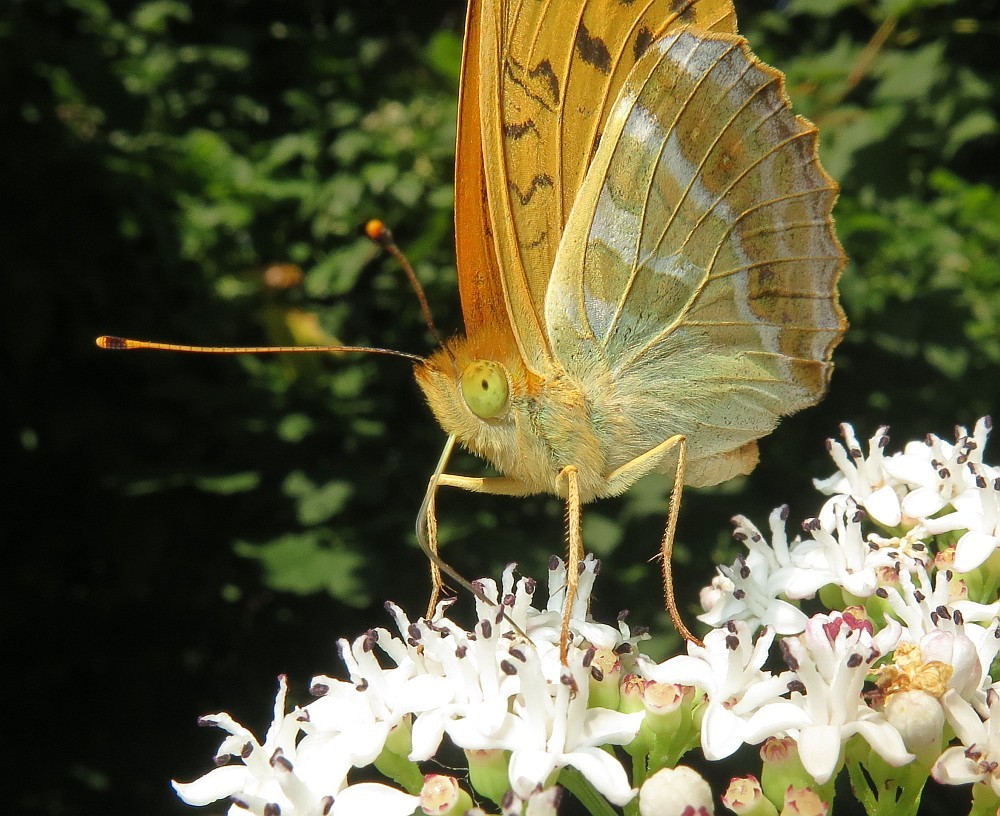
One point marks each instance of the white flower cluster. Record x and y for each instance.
(508, 701)
(883, 613)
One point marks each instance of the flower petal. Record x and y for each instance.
(367, 798)
(884, 739)
(530, 768)
(604, 772)
(819, 749)
(953, 767)
(883, 506)
(216, 784)
(721, 732)
(973, 549)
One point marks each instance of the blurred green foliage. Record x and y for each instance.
(198, 173)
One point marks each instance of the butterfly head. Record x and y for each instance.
(481, 392)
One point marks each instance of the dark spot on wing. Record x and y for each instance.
(684, 9)
(548, 95)
(544, 71)
(643, 40)
(592, 50)
(516, 130)
(542, 180)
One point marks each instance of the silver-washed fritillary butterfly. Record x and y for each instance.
(646, 254)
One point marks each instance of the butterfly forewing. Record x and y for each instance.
(550, 73)
(480, 285)
(699, 265)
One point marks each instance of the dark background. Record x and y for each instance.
(180, 530)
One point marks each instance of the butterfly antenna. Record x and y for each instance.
(125, 344)
(378, 232)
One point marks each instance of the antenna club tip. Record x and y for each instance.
(378, 232)
(107, 342)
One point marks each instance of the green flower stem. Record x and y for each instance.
(892, 791)
(577, 784)
(401, 771)
(863, 792)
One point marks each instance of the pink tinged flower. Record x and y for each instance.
(443, 795)
(863, 478)
(804, 802)
(679, 791)
(832, 660)
(977, 759)
(745, 798)
(744, 702)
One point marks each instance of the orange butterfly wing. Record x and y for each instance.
(479, 283)
(533, 105)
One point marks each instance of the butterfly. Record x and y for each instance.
(646, 257)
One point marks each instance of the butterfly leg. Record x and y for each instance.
(624, 476)
(667, 545)
(427, 527)
(574, 555)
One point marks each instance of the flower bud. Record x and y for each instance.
(442, 796)
(676, 792)
(804, 802)
(745, 798)
(918, 717)
(488, 772)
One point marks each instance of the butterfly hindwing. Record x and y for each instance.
(698, 268)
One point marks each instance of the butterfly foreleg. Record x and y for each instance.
(496, 485)
(500, 485)
(427, 526)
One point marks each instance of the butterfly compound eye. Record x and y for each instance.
(484, 386)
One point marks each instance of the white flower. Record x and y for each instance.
(679, 791)
(977, 759)
(349, 724)
(743, 700)
(273, 773)
(946, 631)
(865, 479)
(837, 554)
(977, 511)
(255, 777)
(940, 473)
(831, 661)
(750, 589)
(550, 726)
(546, 625)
